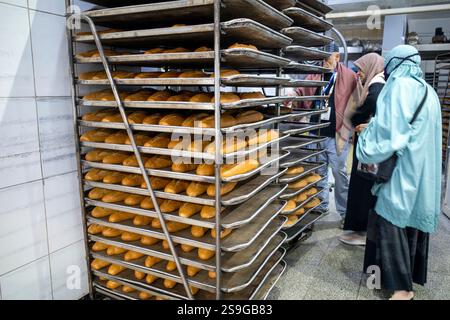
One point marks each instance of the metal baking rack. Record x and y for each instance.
(303, 53)
(305, 37)
(305, 223)
(305, 19)
(247, 262)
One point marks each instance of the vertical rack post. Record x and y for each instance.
(75, 115)
(218, 144)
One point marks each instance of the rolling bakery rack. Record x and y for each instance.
(152, 251)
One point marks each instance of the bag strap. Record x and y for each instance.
(416, 114)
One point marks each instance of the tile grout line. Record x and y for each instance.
(40, 152)
(28, 8)
(37, 180)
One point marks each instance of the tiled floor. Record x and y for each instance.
(323, 268)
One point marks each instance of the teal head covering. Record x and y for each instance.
(403, 61)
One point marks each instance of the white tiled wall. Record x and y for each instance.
(41, 246)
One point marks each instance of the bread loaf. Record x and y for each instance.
(203, 49)
(229, 145)
(169, 74)
(98, 135)
(176, 144)
(161, 140)
(114, 196)
(298, 184)
(149, 241)
(169, 284)
(289, 206)
(97, 193)
(171, 266)
(115, 269)
(225, 73)
(299, 211)
(224, 233)
(201, 98)
(196, 189)
(97, 116)
(263, 136)
(193, 74)
(208, 212)
(97, 155)
(130, 236)
(131, 161)
(165, 245)
(96, 174)
(132, 180)
(295, 170)
(148, 75)
(198, 232)
(187, 248)
(189, 209)
(312, 203)
(225, 189)
(301, 197)
(212, 274)
(313, 178)
(112, 284)
(150, 278)
(111, 232)
(147, 203)
(98, 246)
(292, 219)
(205, 169)
(142, 221)
(181, 167)
(144, 295)
(154, 51)
(239, 168)
(114, 117)
(311, 191)
(137, 117)
(139, 275)
(194, 290)
(115, 158)
(88, 75)
(98, 264)
(205, 254)
(114, 177)
(132, 255)
(151, 261)
(142, 95)
(192, 271)
(249, 117)
(95, 229)
(157, 183)
(152, 119)
(120, 216)
(127, 289)
(192, 119)
(226, 121)
(243, 46)
(158, 162)
(227, 97)
(177, 186)
(171, 225)
(160, 96)
(170, 206)
(113, 251)
(173, 119)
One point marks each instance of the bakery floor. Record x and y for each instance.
(324, 268)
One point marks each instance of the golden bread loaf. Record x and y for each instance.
(133, 200)
(189, 209)
(173, 119)
(158, 162)
(120, 216)
(96, 174)
(201, 98)
(114, 177)
(228, 171)
(242, 46)
(225, 189)
(295, 170)
(227, 97)
(177, 186)
(97, 155)
(152, 119)
(205, 254)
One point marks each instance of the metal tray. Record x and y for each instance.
(303, 216)
(297, 142)
(119, 3)
(231, 282)
(305, 37)
(231, 217)
(116, 294)
(299, 156)
(281, 4)
(270, 282)
(240, 238)
(307, 221)
(303, 127)
(243, 30)
(239, 195)
(317, 5)
(303, 53)
(185, 154)
(310, 167)
(190, 12)
(249, 58)
(307, 20)
(305, 83)
(301, 204)
(295, 67)
(289, 194)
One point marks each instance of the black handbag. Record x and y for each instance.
(382, 172)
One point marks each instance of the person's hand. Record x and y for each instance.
(361, 127)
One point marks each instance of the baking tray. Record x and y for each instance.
(281, 4)
(271, 281)
(116, 294)
(249, 58)
(295, 67)
(303, 127)
(301, 204)
(305, 37)
(305, 83)
(297, 142)
(242, 30)
(309, 167)
(307, 221)
(185, 154)
(303, 53)
(188, 11)
(307, 20)
(241, 238)
(231, 217)
(317, 5)
(119, 3)
(299, 156)
(302, 217)
(242, 193)
(289, 194)
(190, 176)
